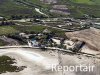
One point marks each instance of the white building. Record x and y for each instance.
(69, 44)
(57, 41)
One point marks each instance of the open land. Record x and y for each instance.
(38, 62)
(37, 34)
(90, 36)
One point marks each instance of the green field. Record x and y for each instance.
(13, 7)
(94, 2)
(4, 30)
(77, 8)
(83, 1)
(9, 7)
(80, 7)
(29, 28)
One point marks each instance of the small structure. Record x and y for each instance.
(78, 45)
(24, 35)
(69, 44)
(46, 31)
(56, 40)
(96, 25)
(34, 43)
(1, 18)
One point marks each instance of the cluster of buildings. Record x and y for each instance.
(66, 24)
(45, 39)
(60, 9)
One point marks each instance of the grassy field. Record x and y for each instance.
(94, 2)
(29, 28)
(83, 1)
(80, 7)
(12, 7)
(38, 29)
(77, 7)
(8, 8)
(5, 30)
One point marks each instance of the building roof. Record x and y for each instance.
(46, 31)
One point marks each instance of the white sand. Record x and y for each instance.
(38, 62)
(32, 59)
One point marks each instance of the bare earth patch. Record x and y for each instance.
(90, 36)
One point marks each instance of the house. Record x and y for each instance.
(24, 35)
(96, 25)
(56, 40)
(69, 44)
(1, 18)
(34, 43)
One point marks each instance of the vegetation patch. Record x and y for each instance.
(5, 30)
(3, 43)
(6, 65)
(34, 28)
(83, 1)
